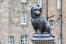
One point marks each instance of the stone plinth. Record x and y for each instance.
(43, 39)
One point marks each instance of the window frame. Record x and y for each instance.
(59, 40)
(24, 39)
(23, 19)
(53, 21)
(24, 1)
(58, 4)
(11, 40)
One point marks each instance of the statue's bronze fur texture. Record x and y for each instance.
(38, 22)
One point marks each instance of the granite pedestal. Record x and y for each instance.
(43, 39)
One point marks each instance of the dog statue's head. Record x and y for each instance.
(36, 11)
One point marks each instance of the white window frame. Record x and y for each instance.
(53, 21)
(24, 1)
(39, 2)
(24, 39)
(58, 4)
(10, 40)
(59, 40)
(23, 18)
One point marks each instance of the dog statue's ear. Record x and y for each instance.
(31, 10)
(32, 14)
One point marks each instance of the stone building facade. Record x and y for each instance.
(15, 20)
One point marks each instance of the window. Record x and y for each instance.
(24, 39)
(11, 40)
(39, 2)
(59, 40)
(58, 22)
(52, 23)
(24, 1)
(23, 18)
(58, 4)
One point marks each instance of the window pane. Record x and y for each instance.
(58, 4)
(24, 39)
(11, 40)
(23, 18)
(24, 13)
(58, 22)
(24, 1)
(52, 23)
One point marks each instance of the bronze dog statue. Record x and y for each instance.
(38, 22)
